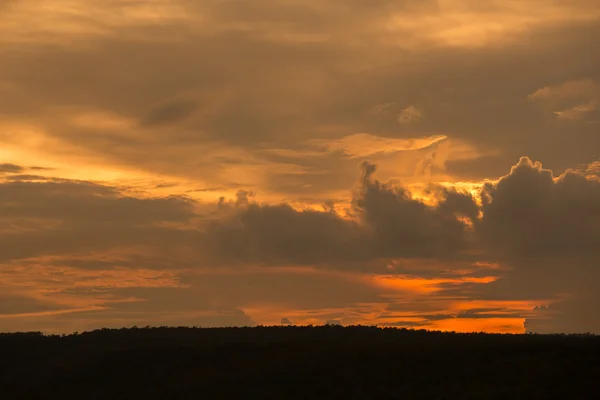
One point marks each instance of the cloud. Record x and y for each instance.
(529, 221)
(10, 168)
(593, 169)
(91, 21)
(63, 216)
(312, 78)
(465, 24)
(409, 115)
(365, 145)
(543, 228)
(16, 172)
(530, 213)
(575, 99)
(124, 259)
(388, 223)
(403, 226)
(577, 112)
(488, 313)
(60, 217)
(12, 304)
(566, 90)
(116, 294)
(169, 113)
(278, 234)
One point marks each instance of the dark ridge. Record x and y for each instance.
(357, 362)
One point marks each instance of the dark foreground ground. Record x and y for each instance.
(297, 362)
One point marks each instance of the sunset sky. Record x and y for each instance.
(413, 163)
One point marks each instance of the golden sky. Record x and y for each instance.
(420, 163)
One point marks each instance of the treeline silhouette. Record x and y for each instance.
(294, 362)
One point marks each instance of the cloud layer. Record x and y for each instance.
(530, 236)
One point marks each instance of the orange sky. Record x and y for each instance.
(429, 164)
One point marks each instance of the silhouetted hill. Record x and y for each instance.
(297, 362)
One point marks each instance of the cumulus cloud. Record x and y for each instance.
(386, 222)
(530, 213)
(544, 228)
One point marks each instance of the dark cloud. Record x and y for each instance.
(210, 189)
(13, 304)
(530, 214)
(278, 234)
(30, 177)
(169, 113)
(454, 203)
(62, 215)
(405, 227)
(436, 317)
(59, 217)
(489, 313)
(72, 201)
(469, 313)
(10, 168)
(390, 223)
(541, 229)
(403, 324)
(545, 230)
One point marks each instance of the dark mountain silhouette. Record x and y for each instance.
(298, 363)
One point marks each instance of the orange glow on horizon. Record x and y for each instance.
(421, 285)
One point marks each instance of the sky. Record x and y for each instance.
(429, 164)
